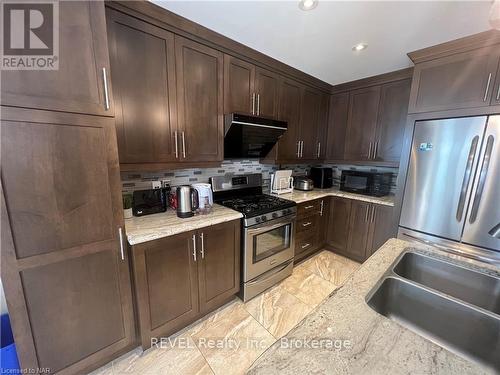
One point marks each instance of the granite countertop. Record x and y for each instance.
(378, 344)
(303, 196)
(152, 227)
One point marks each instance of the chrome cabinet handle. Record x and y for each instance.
(366, 214)
(321, 208)
(319, 149)
(308, 207)
(253, 103)
(176, 145)
(370, 151)
(258, 104)
(466, 179)
(498, 92)
(482, 179)
(298, 149)
(306, 224)
(122, 250)
(202, 246)
(301, 149)
(487, 88)
(183, 145)
(194, 247)
(372, 217)
(305, 246)
(106, 93)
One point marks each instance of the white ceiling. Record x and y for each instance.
(319, 42)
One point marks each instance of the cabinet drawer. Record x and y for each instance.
(309, 223)
(308, 208)
(305, 241)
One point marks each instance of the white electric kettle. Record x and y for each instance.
(205, 196)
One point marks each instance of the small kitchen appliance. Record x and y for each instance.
(187, 201)
(205, 196)
(303, 183)
(322, 177)
(377, 184)
(267, 231)
(151, 201)
(282, 182)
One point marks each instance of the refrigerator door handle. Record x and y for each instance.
(466, 180)
(482, 179)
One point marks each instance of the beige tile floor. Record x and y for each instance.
(230, 339)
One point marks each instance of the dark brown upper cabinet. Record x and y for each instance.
(309, 123)
(458, 81)
(267, 91)
(391, 120)
(144, 90)
(362, 123)
(289, 111)
(337, 125)
(239, 92)
(199, 75)
(64, 271)
(249, 89)
(79, 85)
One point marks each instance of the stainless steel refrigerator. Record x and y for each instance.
(452, 190)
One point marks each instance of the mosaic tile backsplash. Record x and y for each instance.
(142, 180)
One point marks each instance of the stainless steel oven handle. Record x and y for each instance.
(265, 227)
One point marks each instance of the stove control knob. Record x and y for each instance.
(275, 215)
(257, 219)
(264, 217)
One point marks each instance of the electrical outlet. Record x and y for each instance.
(165, 183)
(156, 184)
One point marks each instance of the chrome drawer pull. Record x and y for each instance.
(306, 224)
(308, 207)
(306, 245)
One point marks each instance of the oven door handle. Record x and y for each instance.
(264, 227)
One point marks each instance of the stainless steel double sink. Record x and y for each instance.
(454, 306)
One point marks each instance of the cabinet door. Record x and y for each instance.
(239, 92)
(63, 271)
(289, 111)
(361, 123)
(381, 227)
(393, 110)
(495, 98)
(266, 88)
(219, 263)
(321, 137)
(199, 100)
(358, 230)
(78, 85)
(166, 279)
(462, 80)
(145, 84)
(337, 125)
(324, 220)
(309, 122)
(338, 226)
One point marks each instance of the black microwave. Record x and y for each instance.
(376, 184)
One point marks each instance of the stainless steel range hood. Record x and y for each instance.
(250, 137)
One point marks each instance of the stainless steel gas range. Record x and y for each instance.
(267, 232)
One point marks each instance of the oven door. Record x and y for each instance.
(267, 245)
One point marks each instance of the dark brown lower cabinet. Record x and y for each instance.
(310, 231)
(356, 229)
(180, 278)
(65, 276)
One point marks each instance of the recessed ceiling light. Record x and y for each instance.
(308, 4)
(359, 47)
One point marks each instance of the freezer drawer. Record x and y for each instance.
(444, 156)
